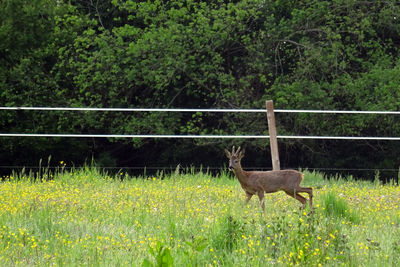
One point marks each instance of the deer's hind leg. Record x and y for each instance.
(307, 190)
(296, 195)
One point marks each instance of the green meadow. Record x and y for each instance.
(87, 218)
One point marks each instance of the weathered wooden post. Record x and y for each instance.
(272, 136)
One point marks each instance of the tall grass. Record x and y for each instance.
(337, 207)
(188, 218)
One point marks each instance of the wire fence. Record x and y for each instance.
(381, 138)
(202, 110)
(89, 109)
(214, 168)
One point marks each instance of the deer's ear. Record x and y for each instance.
(228, 155)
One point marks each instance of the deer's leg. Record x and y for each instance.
(302, 199)
(261, 197)
(307, 190)
(248, 197)
(296, 195)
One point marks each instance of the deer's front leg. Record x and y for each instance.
(248, 197)
(261, 197)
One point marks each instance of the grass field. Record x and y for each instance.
(195, 219)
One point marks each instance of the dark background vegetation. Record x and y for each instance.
(341, 55)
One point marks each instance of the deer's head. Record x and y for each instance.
(234, 158)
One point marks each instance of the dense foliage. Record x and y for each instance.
(307, 54)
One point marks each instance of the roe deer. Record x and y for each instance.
(258, 182)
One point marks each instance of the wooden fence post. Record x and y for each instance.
(272, 136)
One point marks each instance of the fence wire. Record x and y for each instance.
(201, 110)
(85, 109)
(381, 138)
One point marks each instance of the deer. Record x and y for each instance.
(260, 182)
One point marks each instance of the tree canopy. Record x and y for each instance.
(341, 55)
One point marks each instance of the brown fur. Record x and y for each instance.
(258, 182)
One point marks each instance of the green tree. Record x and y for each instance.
(199, 54)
